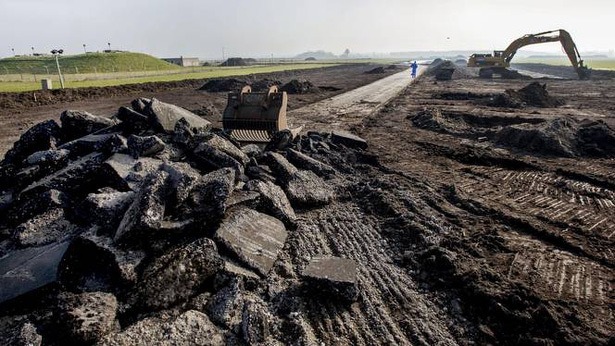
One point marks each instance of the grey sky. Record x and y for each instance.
(259, 28)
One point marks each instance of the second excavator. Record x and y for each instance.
(498, 62)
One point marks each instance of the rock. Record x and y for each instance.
(79, 175)
(280, 140)
(146, 211)
(183, 179)
(144, 146)
(51, 226)
(179, 275)
(49, 158)
(256, 322)
(77, 124)
(333, 275)
(111, 143)
(26, 208)
(88, 316)
(42, 136)
(251, 150)
(224, 308)
(6, 200)
(94, 262)
(106, 209)
(133, 122)
(140, 104)
(305, 162)
(19, 333)
(283, 169)
(190, 328)
(164, 116)
(306, 189)
(22, 271)
(123, 172)
(273, 201)
(209, 158)
(254, 238)
(207, 200)
(348, 139)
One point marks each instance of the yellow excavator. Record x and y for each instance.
(498, 62)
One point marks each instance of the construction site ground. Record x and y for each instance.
(457, 238)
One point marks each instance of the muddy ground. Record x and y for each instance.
(460, 234)
(19, 111)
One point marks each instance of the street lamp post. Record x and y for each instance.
(109, 44)
(13, 50)
(56, 53)
(84, 50)
(32, 51)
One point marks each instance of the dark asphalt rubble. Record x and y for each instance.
(115, 229)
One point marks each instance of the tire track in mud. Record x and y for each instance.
(563, 203)
(390, 307)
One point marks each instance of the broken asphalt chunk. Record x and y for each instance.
(77, 124)
(164, 116)
(255, 238)
(333, 275)
(348, 139)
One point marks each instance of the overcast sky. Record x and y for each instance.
(201, 28)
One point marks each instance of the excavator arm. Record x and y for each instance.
(500, 60)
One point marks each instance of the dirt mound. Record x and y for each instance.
(561, 137)
(223, 85)
(238, 62)
(264, 84)
(296, 86)
(376, 70)
(446, 69)
(536, 95)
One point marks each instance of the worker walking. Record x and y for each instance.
(414, 67)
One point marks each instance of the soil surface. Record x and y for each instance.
(461, 233)
(19, 111)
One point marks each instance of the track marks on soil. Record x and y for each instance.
(551, 198)
(389, 307)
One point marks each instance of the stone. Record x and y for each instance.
(280, 140)
(224, 308)
(42, 136)
(77, 124)
(179, 275)
(144, 146)
(306, 189)
(88, 316)
(106, 209)
(256, 322)
(273, 201)
(48, 227)
(6, 200)
(147, 209)
(305, 162)
(254, 238)
(348, 140)
(133, 122)
(22, 271)
(50, 158)
(333, 275)
(210, 158)
(251, 150)
(280, 166)
(94, 262)
(140, 104)
(189, 328)
(110, 142)
(164, 116)
(124, 172)
(207, 199)
(183, 179)
(28, 336)
(26, 208)
(79, 175)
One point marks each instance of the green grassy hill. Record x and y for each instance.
(85, 63)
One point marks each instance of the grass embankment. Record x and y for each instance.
(598, 64)
(176, 75)
(84, 63)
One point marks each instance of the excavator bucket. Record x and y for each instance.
(255, 116)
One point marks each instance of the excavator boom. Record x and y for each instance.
(500, 60)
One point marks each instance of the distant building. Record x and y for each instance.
(185, 62)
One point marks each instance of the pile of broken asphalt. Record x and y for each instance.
(145, 227)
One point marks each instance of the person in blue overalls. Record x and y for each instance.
(414, 67)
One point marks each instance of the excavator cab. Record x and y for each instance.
(255, 116)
